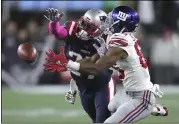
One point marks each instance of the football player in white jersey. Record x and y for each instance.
(123, 50)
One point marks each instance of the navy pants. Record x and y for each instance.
(96, 104)
(95, 96)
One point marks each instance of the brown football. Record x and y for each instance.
(27, 52)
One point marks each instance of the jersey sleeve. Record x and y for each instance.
(120, 41)
(57, 30)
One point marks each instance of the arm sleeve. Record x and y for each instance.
(119, 41)
(57, 30)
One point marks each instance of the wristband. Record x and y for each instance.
(73, 65)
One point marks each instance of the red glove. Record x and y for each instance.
(56, 62)
(54, 67)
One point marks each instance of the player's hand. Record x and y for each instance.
(56, 62)
(54, 67)
(53, 15)
(70, 97)
(59, 59)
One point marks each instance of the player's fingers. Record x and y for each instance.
(47, 17)
(48, 54)
(50, 13)
(62, 69)
(52, 10)
(56, 11)
(61, 15)
(47, 65)
(48, 60)
(47, 12)
(53, 70)
(64, 65)
(48, 69)
(53, 14)
(51, 52)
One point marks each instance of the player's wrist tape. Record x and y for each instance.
(73, 65)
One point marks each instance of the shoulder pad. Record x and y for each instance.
(118, 39)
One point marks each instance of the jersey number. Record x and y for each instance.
(142, 60)
(78, 57)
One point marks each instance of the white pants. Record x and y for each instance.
(131, 107)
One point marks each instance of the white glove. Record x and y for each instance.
(156, 91)
(71, 94)
(102, 48)
(70, 97)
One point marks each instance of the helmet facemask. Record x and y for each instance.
(87, 28)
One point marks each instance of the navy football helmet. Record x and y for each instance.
(125, 19)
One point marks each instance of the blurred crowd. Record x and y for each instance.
(158, 34)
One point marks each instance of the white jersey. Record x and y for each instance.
(133, 69)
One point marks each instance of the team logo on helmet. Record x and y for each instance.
(122, 16)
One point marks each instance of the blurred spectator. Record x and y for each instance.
(23, 35)
(9, 44)
(33, 30)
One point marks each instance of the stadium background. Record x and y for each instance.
(29, 94)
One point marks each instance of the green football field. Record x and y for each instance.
(21, 108)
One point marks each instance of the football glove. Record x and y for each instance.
(56, 62)
(70, 97)
(53, 15)
(156, 90)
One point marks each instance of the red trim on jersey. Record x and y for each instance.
(118, 41)
(68, 26)
(74, 29)
(121, 74)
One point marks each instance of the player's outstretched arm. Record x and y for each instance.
(54, 25)
(57, 30)
(91, 65)
(103, 63)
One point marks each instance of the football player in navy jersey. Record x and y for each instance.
(80, 43)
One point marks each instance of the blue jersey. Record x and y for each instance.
(76, 49)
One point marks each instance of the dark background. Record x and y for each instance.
(23, 21)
